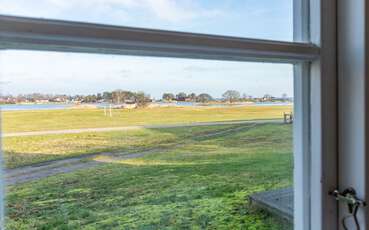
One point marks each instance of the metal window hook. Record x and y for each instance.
(353, 203)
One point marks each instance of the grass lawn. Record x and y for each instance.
(22, 121)
(26, 150)
(202, 184)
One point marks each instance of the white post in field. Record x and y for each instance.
(105, 110)
(110, 111)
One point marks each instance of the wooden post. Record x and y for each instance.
(284, 118)
(288, 118)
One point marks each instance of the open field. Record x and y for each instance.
(196, 177)
(21, 151)
(25, 150)
(203, 183)
(22, 121)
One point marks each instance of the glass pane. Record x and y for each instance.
(264, 19)
(120, 142)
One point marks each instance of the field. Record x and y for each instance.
(194, 177)
(21, 151)
(22, 121)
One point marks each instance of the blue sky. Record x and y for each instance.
(24, 72)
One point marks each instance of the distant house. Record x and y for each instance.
(42, 101)
(130, 106)
(267, 98)
(125, 106)
(59, 99)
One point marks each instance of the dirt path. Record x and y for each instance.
(125, 128)
(42, 170)
(29, 173)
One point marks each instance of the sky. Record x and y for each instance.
(50, 72)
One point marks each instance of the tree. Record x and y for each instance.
(168, 96)
(89, 99)
(141, 99)
(267, 97)
(204, 98)
(231, 96)
(107, 96)
(120, 96)
(246, 97)
(192, 96)
(99, 96)
(181, 96)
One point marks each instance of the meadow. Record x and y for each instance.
(39, 120)
(203, 184)
(195, 178)
(28, 150)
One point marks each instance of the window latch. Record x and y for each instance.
(349, 197)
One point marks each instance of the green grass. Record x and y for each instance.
(26, 150)
(21, 121)
(202, 184)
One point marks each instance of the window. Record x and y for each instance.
(174, 143)
(254, 19)
(312, 57)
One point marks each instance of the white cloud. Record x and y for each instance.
(176, 11)
(49, 72)
(170, 11)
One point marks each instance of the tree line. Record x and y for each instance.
(115, 97)
(203, 97)
(230, 96)
(119, 97)
(139, 98)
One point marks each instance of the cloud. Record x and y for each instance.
(196, 68)
(5, 82)
(74, 73)
(176, 11)
(212, 67)
(170, 11)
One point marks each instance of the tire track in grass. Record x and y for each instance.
(46, 169)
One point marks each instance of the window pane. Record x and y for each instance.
(104, 142)
(265, 19)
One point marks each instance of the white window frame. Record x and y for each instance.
(353, 103)
(323, 111)
(313, 52)
(315, 145)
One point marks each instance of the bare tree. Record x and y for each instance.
(231, 96)
(168, 96)
(204, 98)
(142, 99)
(181, 96)
(192, 96)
